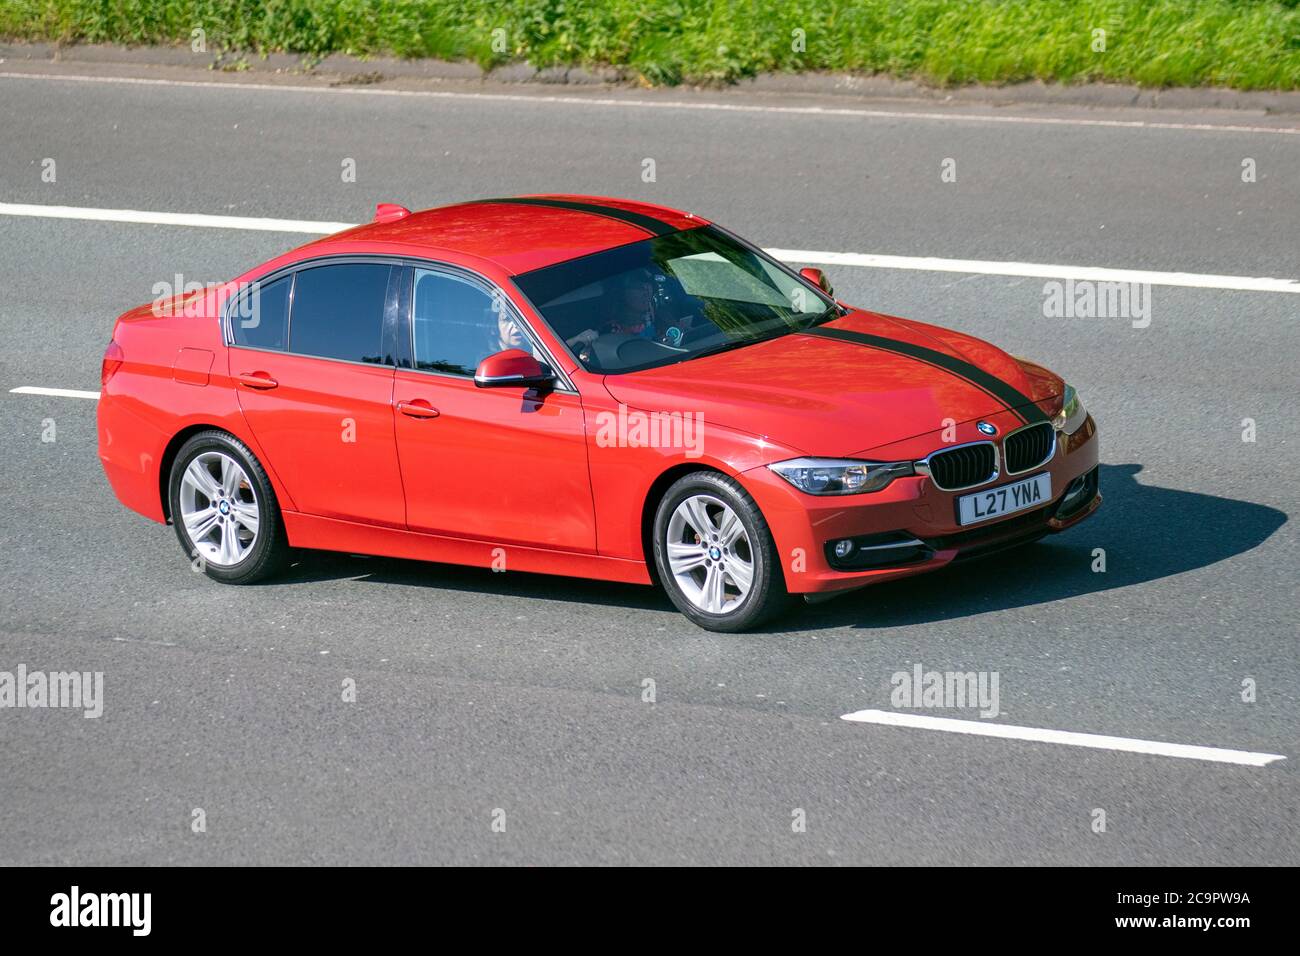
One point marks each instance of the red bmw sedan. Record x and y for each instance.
(582, 386)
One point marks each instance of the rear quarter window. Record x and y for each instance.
(260, 318)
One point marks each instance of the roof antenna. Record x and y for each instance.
(390, 212)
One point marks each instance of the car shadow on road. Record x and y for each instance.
(1147, 533)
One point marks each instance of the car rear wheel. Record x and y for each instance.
(224, 510)
(715, 554)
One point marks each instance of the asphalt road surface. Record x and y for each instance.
(485, 697)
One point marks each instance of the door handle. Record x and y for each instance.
(258, 380)
(418, 408)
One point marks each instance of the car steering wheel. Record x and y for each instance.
(605, 349)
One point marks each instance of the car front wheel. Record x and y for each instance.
(715, 554)
(224, 510)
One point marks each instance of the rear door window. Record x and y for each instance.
(338, 311)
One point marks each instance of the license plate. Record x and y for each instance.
(1004, 500)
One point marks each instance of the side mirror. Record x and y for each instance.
(513, 368)
(818, 278)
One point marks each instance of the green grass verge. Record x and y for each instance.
(1246, 44)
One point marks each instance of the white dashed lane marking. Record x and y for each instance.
(54, 392)
(1068, 738)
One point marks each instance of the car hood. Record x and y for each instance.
(859, 382)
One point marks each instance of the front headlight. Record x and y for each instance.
(1072, 414)
(837, 476)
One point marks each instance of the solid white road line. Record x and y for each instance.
(630, 103)
(806, 256)
(1068, 738)
(55, 392)
(1038, 270)
(173, 219)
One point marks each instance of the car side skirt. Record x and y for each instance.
(332, 534)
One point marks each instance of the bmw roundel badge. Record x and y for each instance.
(986, 428)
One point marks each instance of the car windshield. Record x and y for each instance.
(669, 299)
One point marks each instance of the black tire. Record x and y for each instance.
(767, 596)
(270, 547)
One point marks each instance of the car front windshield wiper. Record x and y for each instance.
(724, 347)
(832, 311)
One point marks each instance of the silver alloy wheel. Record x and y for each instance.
(219, 508)
(709, 554)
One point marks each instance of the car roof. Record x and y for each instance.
(521, 233)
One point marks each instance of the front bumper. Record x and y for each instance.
(911, 526)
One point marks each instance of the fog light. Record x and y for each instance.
(843, 548)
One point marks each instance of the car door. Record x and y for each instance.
(313, 369)
(505, 465)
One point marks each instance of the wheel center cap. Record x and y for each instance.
(224, 507)
(715, 553)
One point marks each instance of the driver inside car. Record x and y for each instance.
(633, 307)
(629, 309)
